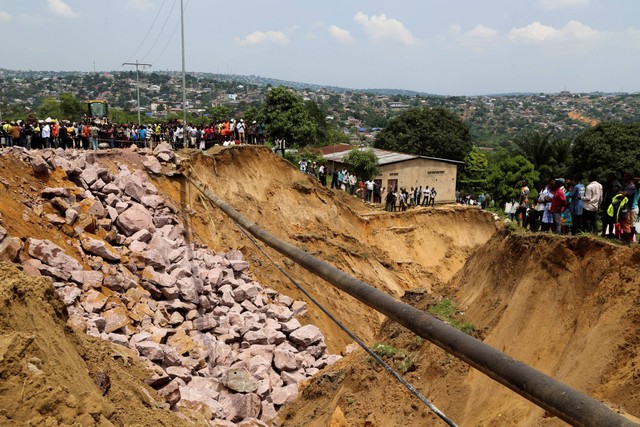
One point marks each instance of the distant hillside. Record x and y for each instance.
(235, 78)
(493, 120)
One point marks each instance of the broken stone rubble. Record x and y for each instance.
(218, 342)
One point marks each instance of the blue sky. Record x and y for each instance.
(446, 47)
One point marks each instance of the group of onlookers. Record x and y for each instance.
(403, 199)
(572, 207)
(370, 191)
(90, 134)
(57, 134)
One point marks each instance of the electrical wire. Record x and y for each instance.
(164, 24)
(371, 353)
(148, 32)
(171, 36)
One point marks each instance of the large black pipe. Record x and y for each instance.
(559, 399)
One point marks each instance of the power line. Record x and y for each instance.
(164, 24)
(171, 37)
(148, 32)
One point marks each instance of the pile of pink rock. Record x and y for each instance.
(218, 342)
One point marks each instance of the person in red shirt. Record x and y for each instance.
(558, 203)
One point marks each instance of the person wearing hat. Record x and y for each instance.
(240, 130)
(558, 204)
(253, 133)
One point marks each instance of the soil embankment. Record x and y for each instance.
(567, 306)
(332, 225)
(391, 251)
(49, 370)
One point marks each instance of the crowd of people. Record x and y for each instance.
(571, 206)
(403, 199)
(92, 134)
(370, 191)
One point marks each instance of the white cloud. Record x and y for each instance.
(540, 33)
(316, 27)
(381, 28)
(340, 34)
(482, 32)
(454, 30)
(60, 8)
(4, 16)
(264, 37)
(562, 4)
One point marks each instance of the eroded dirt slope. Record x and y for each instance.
(393, 252)
(567, 306)
(332, 225)
(48, 371)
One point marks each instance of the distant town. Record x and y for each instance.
(494, 120)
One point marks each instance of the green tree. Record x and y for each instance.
(252, 113)
(607, 148)
(287, 117)
(550, 155)
(434, 132)
(336, 136)
(506, 175)
(363, 163)
(50, 107)
(375, 119)
(218, 114)
(318, 116)
(70, 107)
(473, 175)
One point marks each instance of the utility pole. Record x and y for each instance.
(184, 84)
(138, 65)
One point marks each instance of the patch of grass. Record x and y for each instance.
(384, 350)
(407, 363)
(403, 361)
(445, 310)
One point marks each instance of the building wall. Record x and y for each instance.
(421, 172)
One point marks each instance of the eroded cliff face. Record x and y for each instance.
(566, 306)
(175, 295)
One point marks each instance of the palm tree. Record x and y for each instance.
(549, 154)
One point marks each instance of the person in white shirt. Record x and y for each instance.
(369, 185)
(240, 129)
(178, 137)
(426, 195)
(592, 201)
(352, 184)
(46, 135)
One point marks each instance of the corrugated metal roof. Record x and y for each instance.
(385, 157)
